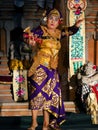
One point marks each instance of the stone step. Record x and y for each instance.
(5, 86)
(22, 109)
(5, 92)
(6, 98)
(4, 71)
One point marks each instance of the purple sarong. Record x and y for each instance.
(46, 93)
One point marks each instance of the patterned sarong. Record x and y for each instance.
(46, 93)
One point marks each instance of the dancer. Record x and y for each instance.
(44, 77)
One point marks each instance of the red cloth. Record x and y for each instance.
(95, 90)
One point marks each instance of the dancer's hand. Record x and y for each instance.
(79, 21)
(29, 36)
(32, 39)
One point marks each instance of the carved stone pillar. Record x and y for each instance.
(89, 35)
(9, 25)
(1, 26)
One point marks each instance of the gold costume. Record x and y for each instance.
(48, 50)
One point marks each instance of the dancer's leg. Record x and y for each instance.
(34, 123)
(46, 120)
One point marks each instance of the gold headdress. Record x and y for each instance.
(54, 12)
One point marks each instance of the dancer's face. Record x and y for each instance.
(52, 22)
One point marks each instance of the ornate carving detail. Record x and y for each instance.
(77, 4)
(9, 25)
(89, 35)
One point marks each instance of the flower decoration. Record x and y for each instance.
(20, 79)
(20, 92)
(78, 11)
(37, 39)
(32, 37)
(76, 6)
(94, 67)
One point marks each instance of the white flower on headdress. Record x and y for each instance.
(45, 19)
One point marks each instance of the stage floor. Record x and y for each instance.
(74, 121)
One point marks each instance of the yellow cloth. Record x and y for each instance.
(16, 64)
(48, 52)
